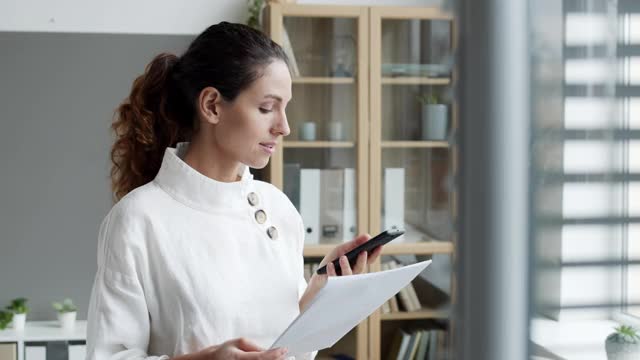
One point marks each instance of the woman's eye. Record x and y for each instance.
(264, 111)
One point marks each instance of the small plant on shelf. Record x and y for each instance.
(66, 313)
(19, 309)
(5, 319)
(18, 306)
(434, 117)
(428, 99)
(254, 7)
(65, 306)
(623, 344)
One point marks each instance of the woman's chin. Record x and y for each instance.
(259, 163)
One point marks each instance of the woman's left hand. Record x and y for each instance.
(317, 281)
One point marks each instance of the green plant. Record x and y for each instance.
(625, 334)
(255, 6)
(5, 319)
(65, 306)
(18, 306)
(430, 99)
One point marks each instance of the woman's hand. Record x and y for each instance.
(317, 282)
(236, 349)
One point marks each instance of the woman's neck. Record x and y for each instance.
(208, 160)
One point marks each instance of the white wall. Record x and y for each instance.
(140, 16)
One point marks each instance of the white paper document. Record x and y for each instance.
(341, 305)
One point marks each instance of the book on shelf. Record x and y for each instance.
(418, 344)
(424, 345)
(407, 296)
(399, 345)
(414, 343)
(415, 302)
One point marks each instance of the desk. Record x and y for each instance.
(38, 333)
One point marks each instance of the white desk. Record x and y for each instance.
(42, 331)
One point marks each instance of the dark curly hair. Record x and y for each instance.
(161, 108)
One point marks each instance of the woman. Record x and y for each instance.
(197, 260)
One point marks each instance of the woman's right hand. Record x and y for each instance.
(239, 349)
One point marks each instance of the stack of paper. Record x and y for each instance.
(341, 305)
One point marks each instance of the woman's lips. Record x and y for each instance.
(269, 148)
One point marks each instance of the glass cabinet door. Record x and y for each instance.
(413, 119)
(412, 163)
(321, 162)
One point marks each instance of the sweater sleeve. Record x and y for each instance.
(118, 325)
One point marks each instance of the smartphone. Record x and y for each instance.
(379, 240)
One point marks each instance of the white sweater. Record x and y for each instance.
(184, 264)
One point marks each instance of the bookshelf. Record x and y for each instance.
(361, 70)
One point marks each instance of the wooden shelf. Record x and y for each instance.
(420, 248)
(323, 80)
(319, 144)
(415, 81)
(414, 144)
(412, 315)
(319, 250)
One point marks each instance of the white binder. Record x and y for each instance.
(394, 199)
(331, 205)
(349, 222)
(77, 351)
(310, 204)
(35, 352)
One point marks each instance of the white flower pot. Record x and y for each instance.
(434, 122)
(19, 321)
(622, 351)
(67, 320)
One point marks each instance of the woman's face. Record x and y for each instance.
(250, 127)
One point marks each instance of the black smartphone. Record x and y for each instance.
(379, 240)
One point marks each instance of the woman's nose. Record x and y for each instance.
(282, 126)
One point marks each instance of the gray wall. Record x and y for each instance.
(57, 97)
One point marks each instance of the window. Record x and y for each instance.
(629, 55)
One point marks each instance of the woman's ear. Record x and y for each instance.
(209, 105)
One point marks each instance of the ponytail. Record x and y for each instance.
(144, 128)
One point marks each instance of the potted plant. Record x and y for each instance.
(19, 309)
(66, 313)
(434, 117)
(623, 344)
(254, 9)
(5, 319)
